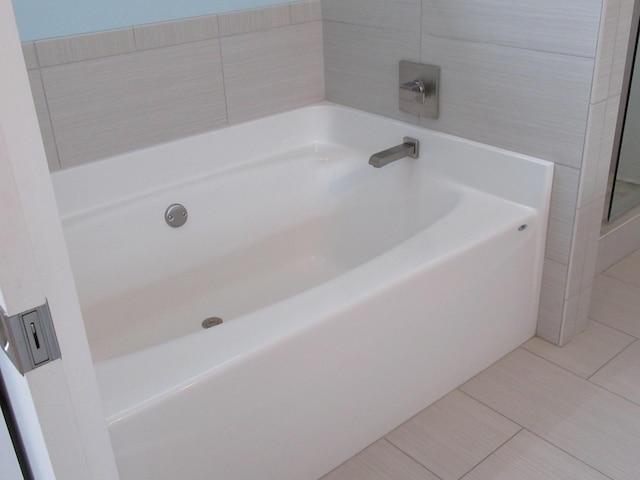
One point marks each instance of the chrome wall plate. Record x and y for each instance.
(419, 89)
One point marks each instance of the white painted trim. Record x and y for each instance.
(64, 393)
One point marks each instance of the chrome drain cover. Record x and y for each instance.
(211, 322)
(176, 215)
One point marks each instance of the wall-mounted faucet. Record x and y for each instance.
(419, 89)
(417, 86)
(410, 148)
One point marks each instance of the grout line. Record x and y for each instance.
(614, 393)
(50, 121)
(517, 47)
(567, 453)
(562, 368)
(490, 454)
(555, 364)
(407, 455)
(224, 82)
(613, 328)
(522, 428)
(611, 359)
(490, 408)
(421, 30)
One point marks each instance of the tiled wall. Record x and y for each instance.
(611, 56)
(109, 92)
(518, 75)
(623, 235)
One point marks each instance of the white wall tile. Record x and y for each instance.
(554, 278)
(621, 47)
(562, 213)
(307, 11)
(579, 244)
(111, 105)
(42, 110)
(245, 21)
(534, 25)
(569, 320)
(30, 56)
(399, 15)
(584, 303)
(606, 146)
(524, 100)
(77, 48)
(362, 66)
(273, 70)
(165, 34)
(605, 52)
(593, 242)
(591, 157)
(603, 262)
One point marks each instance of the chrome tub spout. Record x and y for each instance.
(410, 148)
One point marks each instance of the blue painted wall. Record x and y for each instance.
(38, 19)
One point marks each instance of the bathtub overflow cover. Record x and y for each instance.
(176, 215)
(211, 322)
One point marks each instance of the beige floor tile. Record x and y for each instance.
(453, 435)
(622, 374)
(381, 461)
(617, 304)
(627, 270)
(528, 457)
(595, 426)
(586, 353)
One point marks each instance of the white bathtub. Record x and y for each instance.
(352, 297)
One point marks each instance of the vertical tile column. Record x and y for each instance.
(515, 75)
(611, 56)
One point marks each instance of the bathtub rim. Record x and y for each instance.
(65, 181)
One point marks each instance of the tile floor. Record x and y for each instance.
(541, 412)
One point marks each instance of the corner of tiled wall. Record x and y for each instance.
(622, 239)
(105, 93)
(611, 56)
(507, 79)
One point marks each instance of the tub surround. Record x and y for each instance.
(109, 92)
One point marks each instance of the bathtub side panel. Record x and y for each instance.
(309, 402)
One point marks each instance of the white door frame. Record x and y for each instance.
(58, 405)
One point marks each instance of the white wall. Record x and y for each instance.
(38, 19)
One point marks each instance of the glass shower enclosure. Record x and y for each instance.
(624, 180)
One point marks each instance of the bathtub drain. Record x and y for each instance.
(211, 322)
(176, 215)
